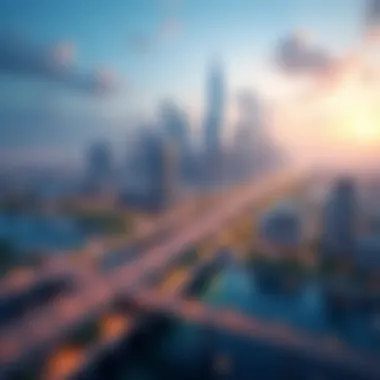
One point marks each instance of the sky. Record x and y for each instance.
(72, 71)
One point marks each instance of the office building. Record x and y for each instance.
(280, 230)
(248, 134)
(339, 219)
(175, 127)
(367, 256)
(99, 167)
(215, 103)
(175, 124)
(158, 185)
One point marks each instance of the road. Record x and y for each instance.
(45, 327)
(276, 334)
(72, 264)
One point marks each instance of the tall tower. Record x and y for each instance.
(160, 163)
(99, 165)
(215, 109)
(372, 16)
(175, 127)
(248, 133)
(175, 124)
(339, 225)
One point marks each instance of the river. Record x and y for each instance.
(188, 350)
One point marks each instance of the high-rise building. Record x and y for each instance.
(253, 145)
(339, 220)
(175, 124)
(175, 127)
(248, 133)
(367, 254)
(280, 230)
(215, 109)
(160, 166)
(372, 17)
(99, 166)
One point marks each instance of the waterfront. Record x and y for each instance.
(185, 350)
(28, 232)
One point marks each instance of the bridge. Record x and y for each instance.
(43, 328)
(73, 263)
(132, 306)
(276, 334)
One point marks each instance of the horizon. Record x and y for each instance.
(69, 79)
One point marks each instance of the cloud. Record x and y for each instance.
(143, 43)
(247, 100)
(170, 28)
(20, 57)
(372, 22)
(64, 53)
(373, 13)
(295, 54)
(52, 135)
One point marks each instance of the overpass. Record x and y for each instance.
(72, 263)
(328, 352)
(173, 303)
(84, 360)
(45, 327)
(322, 349)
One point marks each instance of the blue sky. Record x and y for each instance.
(154, 49)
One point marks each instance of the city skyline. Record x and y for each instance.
(111, 70)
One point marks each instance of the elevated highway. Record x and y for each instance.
(318, 348)
(42, 329)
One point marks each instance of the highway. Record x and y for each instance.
(83, 359)
(168, 300)
(73, 264)
(276, 334)
(69, 362)
(45, 327)
(101, 254)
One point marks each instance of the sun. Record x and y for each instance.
(355, 119)
(364, 129)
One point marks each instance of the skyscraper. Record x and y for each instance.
(175, 126)
(254, 147)
(372, 17)
(248, 133)
(215, 109)
(339, 224)
(281, 229)
(160, 166)
(99, 166)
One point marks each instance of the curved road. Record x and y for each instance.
(43, 328)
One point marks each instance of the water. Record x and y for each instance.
(39, 233)
(305, 308)
(187, 350)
